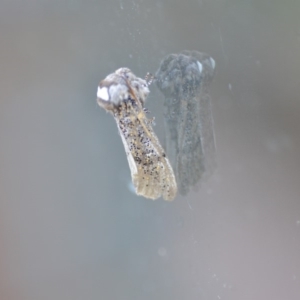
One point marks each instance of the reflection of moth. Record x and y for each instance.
(184, 80)
(123, 94)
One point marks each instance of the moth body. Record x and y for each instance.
(123, 94)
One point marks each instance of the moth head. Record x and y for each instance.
(121, 86)
(112, 90)
(138, 87)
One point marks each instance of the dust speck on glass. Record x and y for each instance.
(184, 81)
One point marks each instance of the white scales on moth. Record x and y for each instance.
(123, 95)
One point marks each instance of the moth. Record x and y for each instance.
(184, 80)
(123, 95)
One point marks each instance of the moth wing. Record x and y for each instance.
(131, 162)
(151, 172)
(160, 181)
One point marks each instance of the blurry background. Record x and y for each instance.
(70, 227)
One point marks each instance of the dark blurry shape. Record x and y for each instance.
(184, 80)
(123, 94)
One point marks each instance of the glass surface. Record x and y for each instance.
(70, 225)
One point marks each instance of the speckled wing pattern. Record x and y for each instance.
(184, 81)
(123, 94)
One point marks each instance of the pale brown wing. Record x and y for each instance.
(151, 172)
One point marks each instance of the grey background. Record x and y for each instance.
(70, 227)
